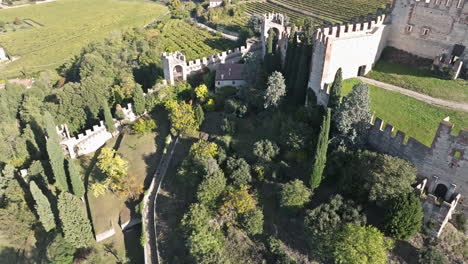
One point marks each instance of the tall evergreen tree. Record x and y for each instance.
(404, 216)
(300, 85)
(335, 94)
(199, 115)
(55, 153)
(290, 53)
(108, 120)
(75, 179)
(351, 119)
(75, 225)
(43, 208)
(139, 100)
(321, 152)
(275, 91)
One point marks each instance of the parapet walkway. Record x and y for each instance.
(418, 96)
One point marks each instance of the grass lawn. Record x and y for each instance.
(68, 26)
(417, 119)
(422, 81)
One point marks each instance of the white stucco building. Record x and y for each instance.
(230, 75)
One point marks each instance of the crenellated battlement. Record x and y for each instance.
(445, 162)
(352, 29)
(177, 59)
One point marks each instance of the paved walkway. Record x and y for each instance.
(149, 207)
(419, 96)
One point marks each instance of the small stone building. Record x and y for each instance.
(230, 75)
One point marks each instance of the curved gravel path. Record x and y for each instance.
(419, 96)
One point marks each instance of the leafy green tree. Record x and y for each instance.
(55, 152)
(18, 221)
(238, 170)
(42, 207)
(294, 194)
(323, 222)
(237, 201)
(201, 92)
(321, 150)
(60, 251)
(204, 240)
(371, 176)
(252, 222)
(265, 150)
(75, 179)
(199, 115)
(143, 127)
(404, 216)
(75, 225)
(182, 118)
(139, 100)
(204, 149)
(255, 24)
(335, 96)
(351, 119)
(211, 188)
(108, 120)
(361, 245)
(275, 91)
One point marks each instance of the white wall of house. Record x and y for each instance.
(235, 83)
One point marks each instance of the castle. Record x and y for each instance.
(432, 29)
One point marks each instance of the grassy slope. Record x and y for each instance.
(417, 119)
(69, 25)
(420, 81)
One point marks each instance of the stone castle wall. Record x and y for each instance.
(445, 20)
(353, 47)
(176, 61)
(445, 162)
(3, 55)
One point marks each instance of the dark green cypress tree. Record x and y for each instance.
(199, 115)
(321, 152)
(335, 93)
(139, 100)
(404, 216)
(290, 53)
(42, 207)
(75, 225)
(108, 120)
(300, 85)
(75, 179)
(55, 153)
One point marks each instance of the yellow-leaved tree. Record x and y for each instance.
(182, 118)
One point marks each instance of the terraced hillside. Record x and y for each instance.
(333, 11)
(267, 7)
(192, 41)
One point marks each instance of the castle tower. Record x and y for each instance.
(175, 67)
(3, 54)
(277, 23)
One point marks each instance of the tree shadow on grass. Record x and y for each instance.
(406, 252)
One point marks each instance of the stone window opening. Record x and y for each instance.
(440, 191)
(409, 28)
(233, 82)
(425, 32)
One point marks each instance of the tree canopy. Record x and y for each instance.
(404, 216)
(361, 245)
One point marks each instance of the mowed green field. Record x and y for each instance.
(421, 81)
(417, 119)
(68, 26)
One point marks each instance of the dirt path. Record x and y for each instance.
(418, 96)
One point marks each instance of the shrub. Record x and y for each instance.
(431, 255)
(228, 126)
(361, 245)
(265, 150)
(252, 222)
(210, 105)
(239, 171)
(404, 217)
(143, 127)
(460, 221)
(294, 195)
